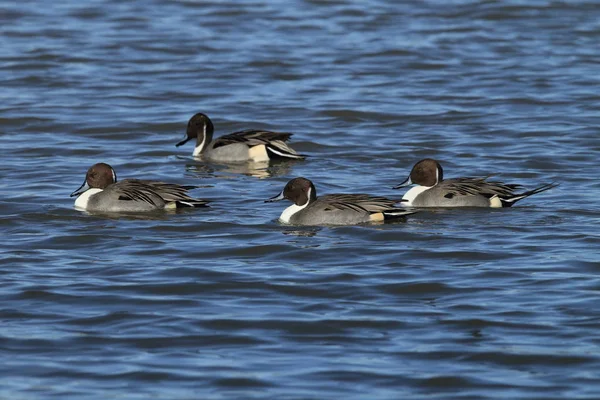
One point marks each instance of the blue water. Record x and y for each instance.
(228, 303)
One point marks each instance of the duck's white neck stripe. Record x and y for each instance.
(293, 209)
(82, 201)
(412, 194)
(198, 149)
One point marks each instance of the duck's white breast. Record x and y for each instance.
(291, 210)
(82, 201)
(412, 194)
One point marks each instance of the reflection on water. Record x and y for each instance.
(149, 216)
(259, 170)
(304, 231)
(226, 302)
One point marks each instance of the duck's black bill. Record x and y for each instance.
(407, 182)
(184, 141)
(275, 198)
(81, 189)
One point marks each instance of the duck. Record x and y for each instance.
(100, 191)
(432, 190)
(252, 145)
(334, 209)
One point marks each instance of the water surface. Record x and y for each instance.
(226, 302)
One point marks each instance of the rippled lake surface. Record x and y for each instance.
(228, 303)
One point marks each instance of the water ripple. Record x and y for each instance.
(228, 303)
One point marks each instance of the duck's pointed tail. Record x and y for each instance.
(509, 201)
(193, 203)
(389, 215)
(280, 149)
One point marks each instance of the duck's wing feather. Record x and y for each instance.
(169, 192)
(358, 202)
(274, 142)
(134, 190)
(478, 186)
(251, 137)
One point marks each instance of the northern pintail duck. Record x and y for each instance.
(248, 145)
(433, 191)
(101, 192)
(333, 209)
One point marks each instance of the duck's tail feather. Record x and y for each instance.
(509, 201)
(280, 149)
(396, 213)
(189, 187)
(192, 203)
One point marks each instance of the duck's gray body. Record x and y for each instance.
(333, 209)
(101, 192)
(132, 195)
(344, 209)
(233, 153)
(253, 145)
(462, 192)
(434, 191)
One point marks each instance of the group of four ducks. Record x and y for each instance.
(103, 193)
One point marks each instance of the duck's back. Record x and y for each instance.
(341, 209)
(462, 192)
(126, 196)
(250, 145)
